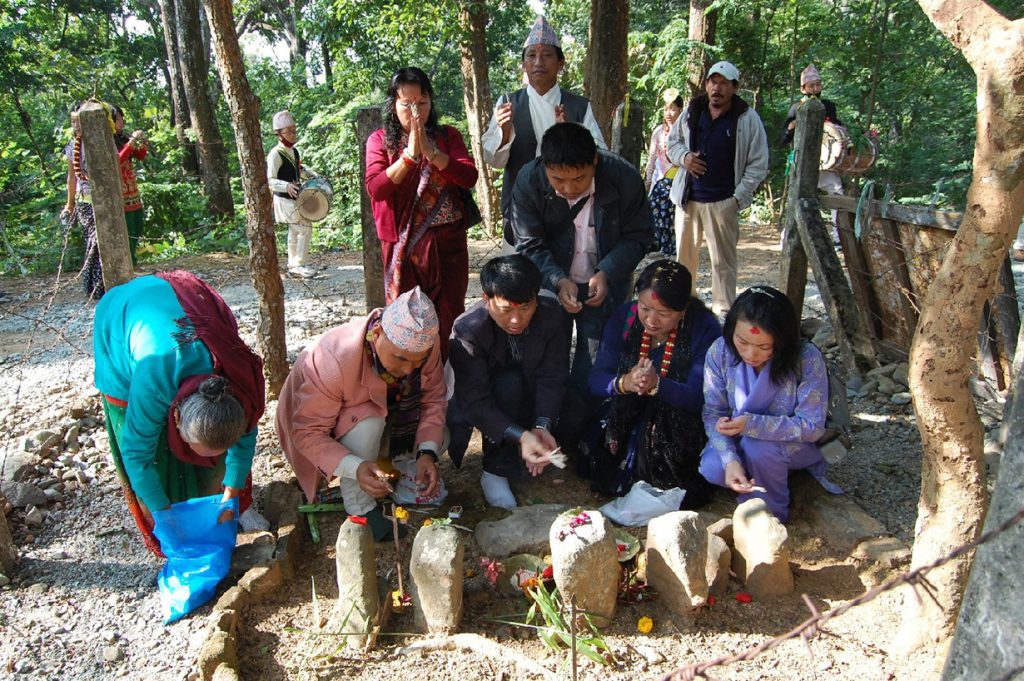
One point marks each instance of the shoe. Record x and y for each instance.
(302, 272)
(497, 491)
(381, 527)
(252, 521)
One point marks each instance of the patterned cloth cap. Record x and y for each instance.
(542, 34)
(810, 75)
(282, 119)
(411, 322)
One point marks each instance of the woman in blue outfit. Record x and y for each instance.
(182, 394)
(650, 367)
(765, 402)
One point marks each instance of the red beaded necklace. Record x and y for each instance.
(666, 359)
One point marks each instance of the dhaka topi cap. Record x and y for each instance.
(542, 34)
(410, 322)
(810, 75)
(726, 70)
(670, 95)
(282, 119)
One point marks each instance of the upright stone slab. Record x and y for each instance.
(437, 572)
(358, 598)
(585, 563)
(719, 561)
(677, 556)
(763, 543)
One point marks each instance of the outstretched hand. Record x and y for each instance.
(372, 479)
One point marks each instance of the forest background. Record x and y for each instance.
(882, 61)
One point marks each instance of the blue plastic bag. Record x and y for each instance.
(198, 551)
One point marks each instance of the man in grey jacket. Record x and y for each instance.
(581, 215)
(721, 143)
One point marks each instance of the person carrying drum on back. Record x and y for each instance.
(285, 173)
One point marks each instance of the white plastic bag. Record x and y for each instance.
(642, 503)
(406, 490)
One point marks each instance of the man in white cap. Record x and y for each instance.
(721, 143)
(810, 86)
(514, 134)
(285, 173)
(367, 391)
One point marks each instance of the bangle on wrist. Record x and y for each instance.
(654, 390)
(408, 160)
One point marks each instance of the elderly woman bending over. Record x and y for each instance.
(182, 395)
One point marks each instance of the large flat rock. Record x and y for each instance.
(525, 531)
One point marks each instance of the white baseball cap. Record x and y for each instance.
(726, 70)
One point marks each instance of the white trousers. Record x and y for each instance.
(299, 235)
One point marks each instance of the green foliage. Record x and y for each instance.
(883, 63)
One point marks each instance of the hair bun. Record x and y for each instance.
(214, 388)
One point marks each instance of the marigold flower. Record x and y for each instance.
(401, 514)
(644, 625)
(428, 522)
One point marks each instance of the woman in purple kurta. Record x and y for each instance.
(765, 402)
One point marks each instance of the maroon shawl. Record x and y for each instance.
(209, 319)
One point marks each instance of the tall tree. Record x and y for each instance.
(606, 74)
(213, 157)
(954, 493)
(181, 116)
(259, 219)
(476, 94)
(701, 33)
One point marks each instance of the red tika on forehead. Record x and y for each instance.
(654, 295)
(755, 330)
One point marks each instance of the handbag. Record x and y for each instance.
(471, 212)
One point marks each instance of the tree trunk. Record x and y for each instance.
(953, 485)
(181, 117)
(476, 96)
(325, 55)
(876, 69)
(259, 218)
(213, 158)
(26, 122)
(702, 30)
(606, 73)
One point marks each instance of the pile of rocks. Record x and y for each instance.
(49, 465)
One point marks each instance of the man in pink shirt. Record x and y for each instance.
(371, 388)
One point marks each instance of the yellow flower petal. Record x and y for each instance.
(401, 514)
(428, 522)
(644, 625)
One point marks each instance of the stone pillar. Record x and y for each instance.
(436, 567)
(677, 557)
(358, 598)
(585, 563)
(762, 543)
(107, 194)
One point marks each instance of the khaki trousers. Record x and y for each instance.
(720, 222)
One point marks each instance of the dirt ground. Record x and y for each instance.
(280, 639)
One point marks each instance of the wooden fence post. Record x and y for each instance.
(855, 345)
(367, 120)
(107, 194)
(803, 184)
